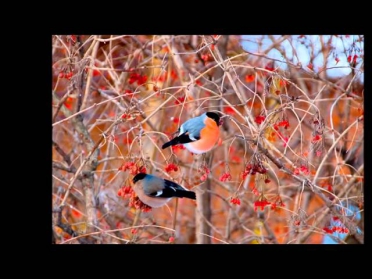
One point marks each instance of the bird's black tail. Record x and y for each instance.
(169, 143)
(186, 194)
(181, 139)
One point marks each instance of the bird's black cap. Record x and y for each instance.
(139, 176)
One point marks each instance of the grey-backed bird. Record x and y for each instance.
(155, 191)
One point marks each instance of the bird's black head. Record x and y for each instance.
(215, 117)
(139, 176)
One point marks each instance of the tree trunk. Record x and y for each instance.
(203, 209)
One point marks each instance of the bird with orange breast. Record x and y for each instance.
(156, 192)
(198, 134)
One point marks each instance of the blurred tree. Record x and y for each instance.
(289, 162)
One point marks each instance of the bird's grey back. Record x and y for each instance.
(193, 126)
(157, 184)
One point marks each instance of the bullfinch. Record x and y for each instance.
(198, 134)
(155, 191)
